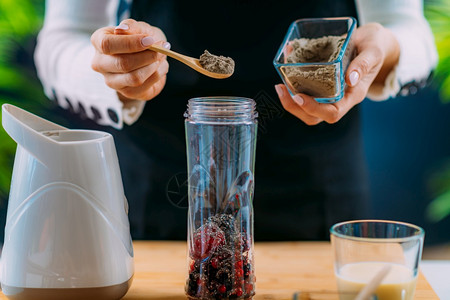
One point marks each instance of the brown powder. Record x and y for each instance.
(317, 81)
(217, 64)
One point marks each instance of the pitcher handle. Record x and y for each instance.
(26, 129)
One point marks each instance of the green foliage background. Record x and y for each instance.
(20, 21)
(438, 15)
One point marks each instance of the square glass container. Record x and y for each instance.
(321, 74)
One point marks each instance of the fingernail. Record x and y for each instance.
(147, 41)
(123, 26)
(166, 45)
(279, 90)
(298, 99)
(354, 77)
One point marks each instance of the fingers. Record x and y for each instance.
(123, 63)
(161, 56)
(359, 77)
(361, 73)
(134, 78)
(374, 46)
(123, 58)
(287, 50)
(295, 106)
(129, 37)
(130, 26)
(107, 43)
(151, 87)
(328, 112)
(311, 112)
(366, 63)
(352, 97)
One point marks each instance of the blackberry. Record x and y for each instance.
(192, 284)
(247, 270)
(225, 222)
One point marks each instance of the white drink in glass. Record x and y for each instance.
(399, 283)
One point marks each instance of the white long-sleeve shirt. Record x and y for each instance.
(64, 54)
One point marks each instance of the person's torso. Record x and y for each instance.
(249, 31)
(297, 165)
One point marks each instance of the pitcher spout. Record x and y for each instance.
(30, 132)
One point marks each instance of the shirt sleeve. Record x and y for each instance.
(63, 59)
(418, 55)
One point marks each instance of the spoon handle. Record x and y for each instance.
(183, 58)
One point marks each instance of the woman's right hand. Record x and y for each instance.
(128, 67)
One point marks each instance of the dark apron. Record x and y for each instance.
(307, 177)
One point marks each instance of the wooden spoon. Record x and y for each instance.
(194, 63)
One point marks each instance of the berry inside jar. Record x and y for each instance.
(221, 261)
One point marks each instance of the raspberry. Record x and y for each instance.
(207, 239)
(239, 264)
(222, 289)
(239, 272)
(215, 262)
(248, 288)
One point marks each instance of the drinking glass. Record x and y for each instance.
(365, 248)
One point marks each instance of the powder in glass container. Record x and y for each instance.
(317, 81)
(217, 64)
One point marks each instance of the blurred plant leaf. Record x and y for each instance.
(439, 181)
(7, 150)
(438, 15)
(20, 21)
(439, 187)
(10, 79)
(21, 17)
(439, 208)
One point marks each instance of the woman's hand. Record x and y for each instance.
(378, 53)
(121, 57)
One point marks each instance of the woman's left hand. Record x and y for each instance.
(378, 53)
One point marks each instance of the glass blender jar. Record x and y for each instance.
(221, 143)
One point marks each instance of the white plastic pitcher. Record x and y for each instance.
(67, 232)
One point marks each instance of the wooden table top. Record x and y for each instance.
(281, 269)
